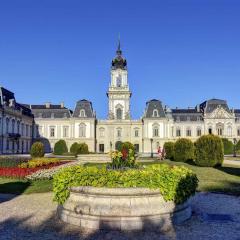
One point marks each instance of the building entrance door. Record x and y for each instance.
(101, 148)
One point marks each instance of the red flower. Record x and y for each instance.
(17, 172)
(125, 154)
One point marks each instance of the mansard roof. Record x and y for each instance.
(152, 105)
(50, 111)
(7, 96)
(210, 105)
(189, 114)
(86, 106)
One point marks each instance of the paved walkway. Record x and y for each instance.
(33, 217)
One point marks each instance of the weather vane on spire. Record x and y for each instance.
(119, 51)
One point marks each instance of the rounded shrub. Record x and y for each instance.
(37, 150)
(74, 148)
(209, 151)
(183, 150)
(60, 147)
(228, 146)
(169, 150)
(238, 147)
(83, 148)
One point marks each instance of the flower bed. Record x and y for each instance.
(39, 162)
(17, 172)
(174, 183)
(10, 161)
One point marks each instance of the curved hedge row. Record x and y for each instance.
(174, 183)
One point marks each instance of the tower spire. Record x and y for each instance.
(119, 51)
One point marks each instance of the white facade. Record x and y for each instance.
(158, 124)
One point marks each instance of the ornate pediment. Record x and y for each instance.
(220, 113)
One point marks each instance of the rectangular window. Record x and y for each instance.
(136, 133)
(65, 131)
(178, 133)
(199, 132)
(119, 133)
(52, 132)
(238, 132)
(189, 133)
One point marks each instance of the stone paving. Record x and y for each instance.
(33, 217)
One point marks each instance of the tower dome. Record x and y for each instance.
(119, 61)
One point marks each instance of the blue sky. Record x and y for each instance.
(181, 52)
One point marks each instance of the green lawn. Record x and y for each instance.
(223, 179)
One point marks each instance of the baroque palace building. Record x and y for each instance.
(158, 124)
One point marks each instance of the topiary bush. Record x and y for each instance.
(79, 148)
(37, 150)
(60, 147)
(74, 148)
(83, 148)
(228, 146)
(209, 151)
(183, 150)
(238, 147)
(169, 150)
(175, 183)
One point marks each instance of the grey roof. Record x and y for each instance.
(6, 96)
(210, 105)
(151, 106)
(189, 114)
(86, 106)
(53, 111)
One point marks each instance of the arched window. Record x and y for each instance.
(119, 132)
(82, 113)
(82, 130)
(155, 130)
(119, 81)
(188, 132)
(155, 113)
(229, 131)
(136, 132)
(18, 127)
(13, 125)
(238, 132)
(220, 129)
(119, 113)
(199, 132)
(7, 125)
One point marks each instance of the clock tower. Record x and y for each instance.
(118, 91)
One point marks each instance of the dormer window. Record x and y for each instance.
(155, 113)
(82, 113)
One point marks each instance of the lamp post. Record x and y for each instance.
(234, 147)
(151, 140)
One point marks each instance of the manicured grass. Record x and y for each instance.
(224, 179)
(18, 186)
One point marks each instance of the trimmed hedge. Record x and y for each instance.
(228, 146)
(209, 151)
(238, 147)
(175, 183)
(183, 150)
(60, 147)
(37, 150)
(169, 150)
(79, 148)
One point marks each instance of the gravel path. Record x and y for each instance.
(33, 217)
